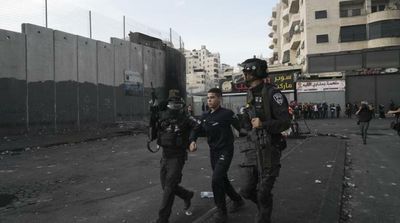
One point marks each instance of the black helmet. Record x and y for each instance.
(175, 102)
(257, 67)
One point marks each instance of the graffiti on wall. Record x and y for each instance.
(133, 83)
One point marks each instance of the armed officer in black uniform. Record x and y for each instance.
(173, 126)
(216, 123)
(266, 116)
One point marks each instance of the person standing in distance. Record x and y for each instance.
(364, 114)
(216, 123)
(268, 115)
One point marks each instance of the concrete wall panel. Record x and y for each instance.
(105, 74)
(12, 82)
(40, 76)
(66, 77)
(136, 58)
(136, 61)
(87, 81)
(124, 104)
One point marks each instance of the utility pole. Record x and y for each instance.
(124, 28)
(45, 11)
(90, 24)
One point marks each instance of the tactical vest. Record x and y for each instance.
(172, 132)
(260, 102)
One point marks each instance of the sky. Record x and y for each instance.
(237, 29)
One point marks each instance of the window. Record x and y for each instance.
(355, 12)
(350, 12)
(344, 13)
(322, 38)
(353, 33)
(378, 8)
(321, 14)
(286, 56)
(386, 28)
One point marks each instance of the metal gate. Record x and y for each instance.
(376, 89)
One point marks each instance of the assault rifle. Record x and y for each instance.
(154, 109)
(262, 142)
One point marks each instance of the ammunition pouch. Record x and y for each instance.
(169, 139)
(279, 143)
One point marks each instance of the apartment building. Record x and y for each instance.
(202, 70)
(356, 40)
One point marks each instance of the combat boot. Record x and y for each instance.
(220, 216)
(236, 205)
(188, 200)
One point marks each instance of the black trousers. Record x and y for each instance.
(171, 176)
(220, 163)
(260, 190)
(260, 194)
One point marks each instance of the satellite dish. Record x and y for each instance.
(296, 28)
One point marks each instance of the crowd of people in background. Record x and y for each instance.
(325, 110)
(315, 110)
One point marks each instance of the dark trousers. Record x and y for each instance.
(364, 129)
(171, 176)
(260, 190)
(260, 194)
(220, 163)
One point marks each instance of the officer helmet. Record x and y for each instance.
(257, 67)
(175, 102)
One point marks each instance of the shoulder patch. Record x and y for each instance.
(278, 97)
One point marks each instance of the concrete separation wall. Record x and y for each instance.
(124, 106)
(52, 81)
(12, 81)
(40, 77)
(105, 74)
(66, 78)
(87, 82)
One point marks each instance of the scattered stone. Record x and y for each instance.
(329, 166)
(318, 181)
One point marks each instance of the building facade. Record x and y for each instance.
(202, 70)
(354, 40)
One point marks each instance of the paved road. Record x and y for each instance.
(116, 180)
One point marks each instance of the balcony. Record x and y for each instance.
(295, 41)
(294, 6)
(294, 20)
(271, 34)
(270, 22)
(286, 31)
(384, 42)
(286, 47)
(274, 12)
(271, 46)
(286, 2)
(349, 21)
(275, 38)
(285, 14)
(383, 15)
(274, 25)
